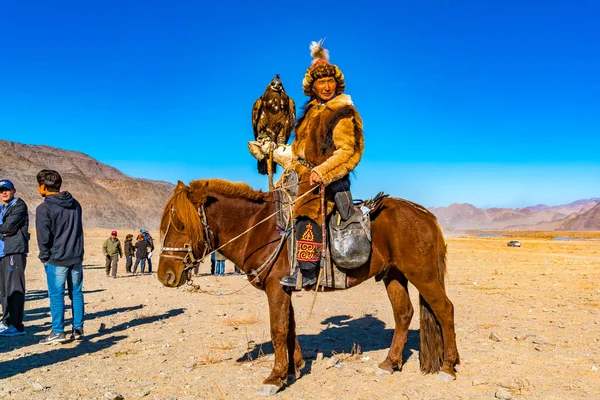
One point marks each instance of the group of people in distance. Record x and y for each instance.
(142, 250)
(59, 231)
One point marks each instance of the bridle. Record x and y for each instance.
(189, 259)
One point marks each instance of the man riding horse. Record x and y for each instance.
(328, 145)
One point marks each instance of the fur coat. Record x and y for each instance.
(329, 141)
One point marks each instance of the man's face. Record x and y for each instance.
(113, 237)
(7, 195)
(324, 88)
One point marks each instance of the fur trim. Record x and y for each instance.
(331, 138)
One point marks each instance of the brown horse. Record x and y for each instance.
(407, 246)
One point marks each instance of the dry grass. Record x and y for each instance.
(224, 345)
(244, 320)
(209, 358)
(355, 353)
(142, 313)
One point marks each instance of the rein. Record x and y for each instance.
(191, 261)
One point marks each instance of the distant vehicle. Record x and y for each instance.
(514, 243)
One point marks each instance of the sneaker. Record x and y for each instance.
(54, 337)
(77, 334)
(12, 331)
(3, 327)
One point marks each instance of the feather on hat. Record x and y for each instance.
(321, 68)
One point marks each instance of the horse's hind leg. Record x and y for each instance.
(396, 285)
(435, 296)
(296, 361)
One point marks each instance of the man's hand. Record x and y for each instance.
(314, 178)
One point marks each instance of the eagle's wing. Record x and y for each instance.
(256, 111)
(290, 120)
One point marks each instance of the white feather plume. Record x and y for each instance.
(318, 51)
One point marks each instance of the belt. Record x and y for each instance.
(305, 163)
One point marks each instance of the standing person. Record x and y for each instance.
(141, 253)
(112, 250)
(213, 262)
(14, 246)
(220, 258)
(129, 252)
(59, 227)
(328, 145)
(150, 243)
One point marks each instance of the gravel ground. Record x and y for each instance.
(527, 325)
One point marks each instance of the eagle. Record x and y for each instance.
(273, 118)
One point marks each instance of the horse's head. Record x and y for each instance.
(183, 241)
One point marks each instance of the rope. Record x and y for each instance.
(258, 272)
(262, 268)
(255, 225)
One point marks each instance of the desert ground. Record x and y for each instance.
(527, 322)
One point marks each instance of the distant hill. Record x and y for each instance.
(588, 221)
(540, 217)
(109, 198)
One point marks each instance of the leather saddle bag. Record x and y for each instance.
(350, 240)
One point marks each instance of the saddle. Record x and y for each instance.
(348, 231)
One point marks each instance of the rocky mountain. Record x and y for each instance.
(109, 198)
(587, 221)
(540, 217)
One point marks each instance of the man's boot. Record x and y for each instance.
(309, 278)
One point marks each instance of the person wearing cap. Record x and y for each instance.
(129, 252)
(327, 146)
(59, 228)
(150, 243)
(112, 250)
(14, 246)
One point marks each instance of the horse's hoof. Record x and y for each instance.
(268, 390)
(446, 377)
(382, 372)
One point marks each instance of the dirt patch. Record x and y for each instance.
(147, 341)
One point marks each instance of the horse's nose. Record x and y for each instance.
(170, 278)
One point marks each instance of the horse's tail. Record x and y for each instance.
(431, 356)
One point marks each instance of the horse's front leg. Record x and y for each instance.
(279, 315)
(296, 360)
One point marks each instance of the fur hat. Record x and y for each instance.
(321, 68)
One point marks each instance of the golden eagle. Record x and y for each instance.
(273, 118)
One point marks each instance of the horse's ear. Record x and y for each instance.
(180, 186)
(198, 195)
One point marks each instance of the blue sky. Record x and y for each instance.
(493, 103)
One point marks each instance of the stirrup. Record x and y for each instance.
(292, 280)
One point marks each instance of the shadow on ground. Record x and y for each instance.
(36, 332)
(92, 344)
(341, 335)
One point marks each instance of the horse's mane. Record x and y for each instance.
(187, 199)
(226, 188)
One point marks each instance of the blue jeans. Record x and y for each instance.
(220, 269)
(56, 277)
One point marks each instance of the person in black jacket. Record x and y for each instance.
(141, 253)
(14, 246)
(150, 243)
(129, 253)
(59, 230)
